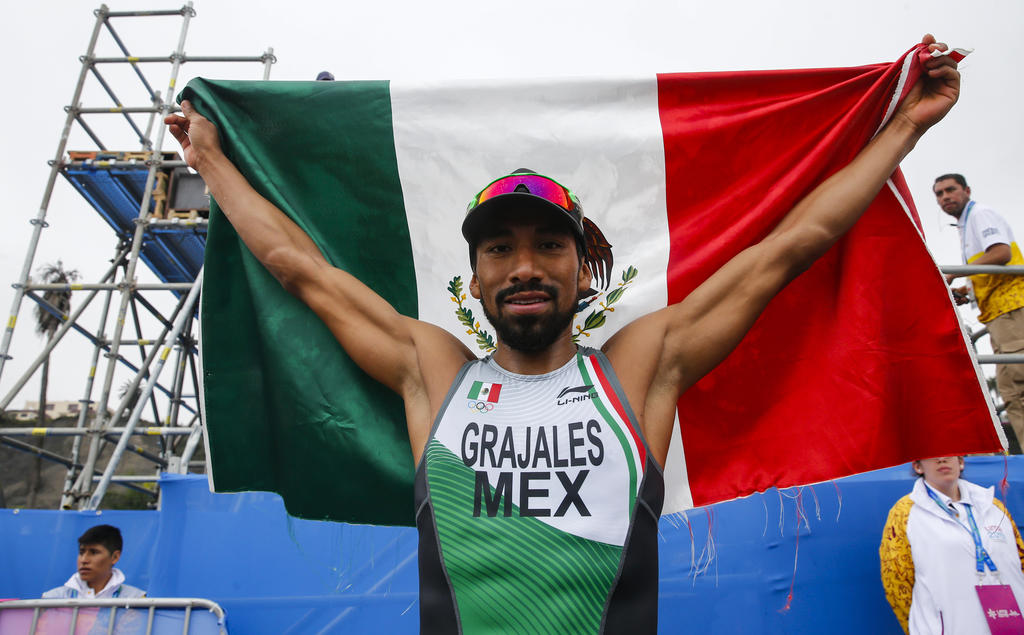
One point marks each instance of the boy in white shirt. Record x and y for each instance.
(99, 549)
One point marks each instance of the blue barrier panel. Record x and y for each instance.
(277, 574)
(284, 574)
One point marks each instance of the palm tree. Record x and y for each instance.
(47, 324)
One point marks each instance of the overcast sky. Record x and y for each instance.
(385, 39)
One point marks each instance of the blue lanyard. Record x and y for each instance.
(981, 557)
(963, 241)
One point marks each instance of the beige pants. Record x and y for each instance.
(1006, 333)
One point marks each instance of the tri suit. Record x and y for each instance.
(537, 505)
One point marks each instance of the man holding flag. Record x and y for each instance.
(539, 480)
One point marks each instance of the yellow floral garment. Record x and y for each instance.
(898, 562)
(1016, 532)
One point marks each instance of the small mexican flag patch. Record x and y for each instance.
(484, 391)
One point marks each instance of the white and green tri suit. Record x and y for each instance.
(537, 504)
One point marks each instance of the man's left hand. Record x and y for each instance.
(935, 93)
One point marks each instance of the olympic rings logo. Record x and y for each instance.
(480, 406)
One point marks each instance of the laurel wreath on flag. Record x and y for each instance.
(483, 339)
(594, 320)
(597, 317)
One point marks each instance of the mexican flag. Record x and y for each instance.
(859, 364)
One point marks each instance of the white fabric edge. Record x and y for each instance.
(900, 84)
(962, 52)
(678, 497)
(201, 389)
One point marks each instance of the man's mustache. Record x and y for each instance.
(521, 287)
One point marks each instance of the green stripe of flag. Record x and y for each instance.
(278, 389)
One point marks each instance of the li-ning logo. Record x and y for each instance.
(585, 393)
(483, 396)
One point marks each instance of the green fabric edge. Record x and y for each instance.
(287, 411)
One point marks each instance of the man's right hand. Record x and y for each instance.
(960, 295)
(197, 135)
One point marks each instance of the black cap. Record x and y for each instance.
(476, 215)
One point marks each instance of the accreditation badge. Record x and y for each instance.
(1000, 608)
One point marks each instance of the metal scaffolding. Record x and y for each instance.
(130, 190)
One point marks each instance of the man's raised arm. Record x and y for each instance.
(687, 340)
(390, 347)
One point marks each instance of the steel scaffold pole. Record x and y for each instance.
(39, 222)
(66, 500)
(140, 227)
(100, 425)
(147, 143)
(112, 286)
(76, 446)
(151, 431)
(153, 95)
(268, 60)
(53, 457)
(142, 343)
(179, 324)
(190, 447)
(179, 383)
(168, 445)
(197, 420)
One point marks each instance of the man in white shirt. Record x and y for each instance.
(986, 239)
(99, 549)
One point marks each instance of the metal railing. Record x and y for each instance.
(969, 270)
(150, 605)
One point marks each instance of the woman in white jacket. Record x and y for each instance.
(928, 554)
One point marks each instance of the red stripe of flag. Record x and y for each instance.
(860, 362)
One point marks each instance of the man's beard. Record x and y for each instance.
(529, 333)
